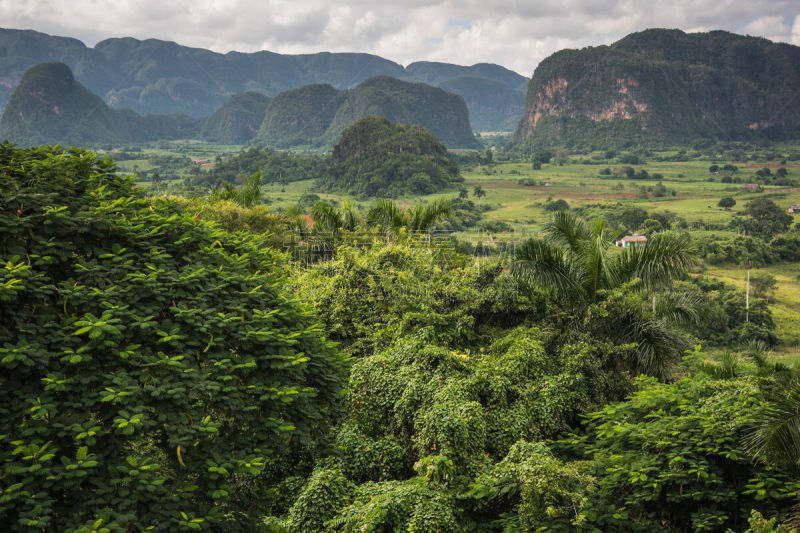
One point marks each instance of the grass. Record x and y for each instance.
(784, 301)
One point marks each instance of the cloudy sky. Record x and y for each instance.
(514, 33)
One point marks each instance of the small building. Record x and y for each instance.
(631, 241)
(794, 209)
(200, 161)
(751, 187)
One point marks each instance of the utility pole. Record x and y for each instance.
(747, 294)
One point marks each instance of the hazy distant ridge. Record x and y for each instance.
(154, 76)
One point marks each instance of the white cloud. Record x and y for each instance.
(514, 33)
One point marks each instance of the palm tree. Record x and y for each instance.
(327, 219)
(422, 218)
(579, 260)
(478, 193)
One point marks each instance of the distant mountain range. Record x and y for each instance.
(50, 106)
(161, 77)
(664, 86)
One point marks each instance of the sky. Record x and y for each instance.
(517, 34)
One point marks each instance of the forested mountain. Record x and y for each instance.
(377, 158)
(317, 114)
(664, 85)
(299, 116)
(238, 120)
(51, 107)
(154, 76)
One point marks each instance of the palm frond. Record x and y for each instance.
(665, 256)
(385, 214)
(349, 216)
(658, 347)
(678, 307)
(592, 255)
(776, 436)
(327, 219)
(566, 228)
(550, 266)
(424, 216)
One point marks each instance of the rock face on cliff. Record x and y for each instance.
(664, 86)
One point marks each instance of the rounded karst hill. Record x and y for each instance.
(238, 120)
(50, 107)
(442, 113)
(375, 158)
(299, 116)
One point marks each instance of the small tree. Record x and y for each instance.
(726, 203)
(765, 218)
(478, 193)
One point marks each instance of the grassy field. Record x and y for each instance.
(784, 301)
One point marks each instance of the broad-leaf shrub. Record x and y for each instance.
(672, 458)
(152, 366)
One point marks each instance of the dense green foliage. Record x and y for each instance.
(155, 375)
(453, 395)
(157, 370)
(377, 158)
(672, 458)
(316, 115)
(720, 312)
(275, 167)
(663, 86)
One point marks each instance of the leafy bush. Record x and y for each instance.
(368, 298)
(741, 249)
(556, 205)
(671, 458)
(153, 368)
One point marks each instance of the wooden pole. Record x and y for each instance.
(747, 298)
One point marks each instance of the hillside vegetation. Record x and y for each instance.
(50, 107)
(377, 158)
(159, 372)
(238, 120)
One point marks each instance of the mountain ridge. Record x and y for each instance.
(155, 76)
